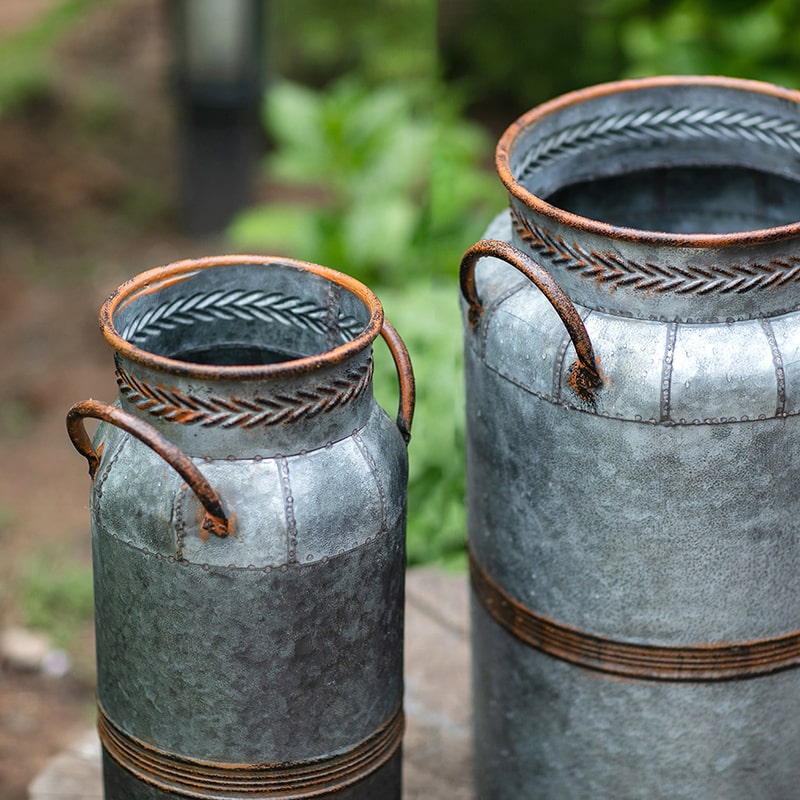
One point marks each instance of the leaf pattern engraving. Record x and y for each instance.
(173, 405)
(247, 306)
(684, 123)
(613, 270)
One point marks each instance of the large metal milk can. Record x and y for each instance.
(248, 524)
(633, 448)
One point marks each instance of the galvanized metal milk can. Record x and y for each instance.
(248, 524)
(633, 447)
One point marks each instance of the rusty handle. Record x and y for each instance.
(405, 376)
(214, 519)
(584, 376)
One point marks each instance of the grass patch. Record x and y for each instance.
(56, 595)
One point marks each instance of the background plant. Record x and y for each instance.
(394, 185)
(386, 135)
(428, 317)
(26, 67)
(507, 57)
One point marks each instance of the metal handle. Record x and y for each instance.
(214, 520)
(584, 377)
(405, 376)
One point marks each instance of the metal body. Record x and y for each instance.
(248, 524)
(633, 440)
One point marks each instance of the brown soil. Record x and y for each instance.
(86, 200)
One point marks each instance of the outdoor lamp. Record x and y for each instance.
(218, 80)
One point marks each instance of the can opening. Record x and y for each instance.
(685, 199)
(235, 355)
(240, 315)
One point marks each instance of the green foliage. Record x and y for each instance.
(384, 41)
(465, 193)
(56, 595)
(396, 188)
(740, 39)
(16, 417)
(427, 316)
(367, 154)
(507, 57)
(26, 69)
(511, 56)
(395, 182)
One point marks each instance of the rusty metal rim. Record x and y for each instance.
(692, 663)
(217, 781)
(700, 240)
(154, 279)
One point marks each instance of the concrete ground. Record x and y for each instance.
(437, 762)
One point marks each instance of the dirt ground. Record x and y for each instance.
(87, 177)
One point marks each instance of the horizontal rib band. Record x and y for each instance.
(712, 662)
(218, 781)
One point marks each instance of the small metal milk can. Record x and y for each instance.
(248, 525)
(632, 358)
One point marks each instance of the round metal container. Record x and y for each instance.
(633, 439)
(248, 525)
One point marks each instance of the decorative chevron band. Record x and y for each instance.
(186, 777)
(666, 124)
(614, 271)
(712, 662)
(248, 306)
(173, 405)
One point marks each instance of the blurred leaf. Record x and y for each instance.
(403, 188)
(738, 39)
(25, 66)
(284, 226)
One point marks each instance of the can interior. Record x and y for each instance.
(234, 354)
(694, 158)
(241, 315)
(719, 199)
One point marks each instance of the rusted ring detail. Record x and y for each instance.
(697, 663)
(215, 781)
(655, 124)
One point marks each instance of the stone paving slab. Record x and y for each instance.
(436, 748)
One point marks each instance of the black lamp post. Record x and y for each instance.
(219, 82)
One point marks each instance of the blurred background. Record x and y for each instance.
(358, 135)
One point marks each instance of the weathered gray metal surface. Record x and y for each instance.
(635, 549)
(436, 747)
(253, 649)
